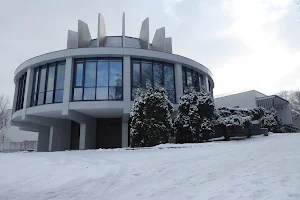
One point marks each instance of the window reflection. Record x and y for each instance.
(48, 84)
(156, 73)
(191, 78)
(103, 79)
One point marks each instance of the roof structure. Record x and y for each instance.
(82, 38)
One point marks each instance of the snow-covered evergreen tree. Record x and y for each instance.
(194, 118)
(151, 122)
(270, 120)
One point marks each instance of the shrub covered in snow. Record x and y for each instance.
(230, 119)
(194, 122)
(151, 122)
(270, 120)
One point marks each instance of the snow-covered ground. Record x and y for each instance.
(256, 168)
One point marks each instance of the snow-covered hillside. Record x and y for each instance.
(256, 168)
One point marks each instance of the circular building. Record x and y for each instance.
(81, 97)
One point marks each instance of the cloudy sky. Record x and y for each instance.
(247, 44)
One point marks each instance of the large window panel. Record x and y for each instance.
(156, 73)
(102, 73)
(90, 74)
(79, 74)
(146, 73)
(21, 92)
(48, 84)
(103, 80)
(191, 78)
(115, 73)
(136, 75)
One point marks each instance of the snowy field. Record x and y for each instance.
(257, 168)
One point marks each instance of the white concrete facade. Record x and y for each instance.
(53, 121)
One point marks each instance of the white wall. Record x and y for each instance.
(242, 100)
(284, 113)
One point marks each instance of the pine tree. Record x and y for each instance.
(194, 119)
(151, 122)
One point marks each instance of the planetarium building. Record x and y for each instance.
(81, 97)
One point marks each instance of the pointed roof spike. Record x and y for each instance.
(84, 35)
(144, 34)
(101, 36)
(123, 29)
(72, 41)
(159, 40)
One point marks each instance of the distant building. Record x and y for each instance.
(252, 99)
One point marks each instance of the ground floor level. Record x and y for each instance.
(71, 135)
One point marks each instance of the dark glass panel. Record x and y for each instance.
(42, 79)
(90, 74)
(115, 73)
(146, 73)
(189, 78)
(183, 77)
(195, 80)
(133, 92)
(102, 73)
(51, 74)
(60, 77)
(136, 74)
(59, 95)
(49, 97)
(115, 93)
(79, 74)
(102, 93)
(36, 77)
(89, 94)
(158, 74)
(77, 96)
(171, 95)
(169, 77)
(40, 99)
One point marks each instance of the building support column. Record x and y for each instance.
(43, 139)
(206, 84)
(67, 85)
(60, 136)
(88, 134)
(124, 134)
(178, 81)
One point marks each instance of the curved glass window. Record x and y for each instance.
(98, 79)
(154, 73)
(48, 84)
(21, 92)
(191, 78)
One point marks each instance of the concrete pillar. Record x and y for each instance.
(126, 86)
(67, 85)
(206, 83)
(43, 139)
(125, 134)
(60, 136)
(88, 134)
(28, 91)
(178, 81)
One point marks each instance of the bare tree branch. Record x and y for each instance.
(4, 114)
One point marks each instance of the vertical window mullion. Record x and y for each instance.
(108, 79)
(38, 87)
(54, 84)
(95, 96)
(83, 79)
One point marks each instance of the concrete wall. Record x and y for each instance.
(242, 100)
(285, 114)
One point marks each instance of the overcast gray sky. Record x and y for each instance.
(245, 43)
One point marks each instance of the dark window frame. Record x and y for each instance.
(97, 59)
(36, 80)
(21, 92)
(163, 63)
(194, 74)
